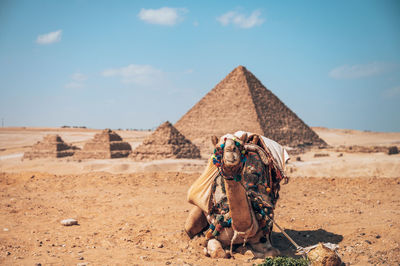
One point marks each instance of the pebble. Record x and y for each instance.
(81, 258)
(5, 229)
(377, 236)
(82, 264)
(160, 245)
(143, 257)
(369, 242)
(8, 253)
(69, 222)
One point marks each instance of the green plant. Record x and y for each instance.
(285, 261)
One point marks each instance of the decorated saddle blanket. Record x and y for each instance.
(259, 187)
(256, 172)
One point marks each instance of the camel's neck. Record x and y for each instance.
(240, 210)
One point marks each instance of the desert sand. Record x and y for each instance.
(133, 212)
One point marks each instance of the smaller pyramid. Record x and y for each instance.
(105, 145)
(166, 142)
(52, 146)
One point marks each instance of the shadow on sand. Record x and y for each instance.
(302, 238)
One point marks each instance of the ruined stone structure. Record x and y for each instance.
(166, 142)
(105, 145)
(241, 102)
(52, 146)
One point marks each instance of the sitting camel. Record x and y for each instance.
(243, 195)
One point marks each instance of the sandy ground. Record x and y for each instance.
(133, 213)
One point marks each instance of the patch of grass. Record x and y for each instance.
(284, 261)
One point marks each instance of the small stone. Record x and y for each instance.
(369, 242)
(38, 264)
(8, 253)
(5, 229)
(143, 257)
(377, 236)
(215, 249)
(81, 258)
(160, 245)
(69, 222)
(167, 263)
(82, 264)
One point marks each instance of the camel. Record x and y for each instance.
(244, 193)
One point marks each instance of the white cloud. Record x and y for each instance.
(77, 81)
(74, 85)
(188, 71)
(240, 20)
(138, 74)
(163, 16)
(359, 71)
(78, 77)
(393, 92)
(50, 37)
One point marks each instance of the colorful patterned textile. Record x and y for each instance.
(259, 185)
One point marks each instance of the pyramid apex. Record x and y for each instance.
(240, 68)
(166, 124)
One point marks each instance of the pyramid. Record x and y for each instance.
(166, 142)
(241, 102)
(105, 145)
(52, 146)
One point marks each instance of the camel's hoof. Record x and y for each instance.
(272, 252)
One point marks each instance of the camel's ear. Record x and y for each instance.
(255, 139)
(214, 140)
(243, 138)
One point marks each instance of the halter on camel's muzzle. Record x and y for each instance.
(229, 173)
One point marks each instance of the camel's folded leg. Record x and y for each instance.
(195, 222)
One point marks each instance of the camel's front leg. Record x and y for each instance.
(239, 207)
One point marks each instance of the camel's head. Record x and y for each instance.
(228, 152)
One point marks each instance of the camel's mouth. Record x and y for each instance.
(231, 162)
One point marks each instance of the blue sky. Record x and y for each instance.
(135, 64)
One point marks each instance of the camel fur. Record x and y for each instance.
(244, 225)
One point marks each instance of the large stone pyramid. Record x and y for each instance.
(105, 145)
(52, 146)
(166, 142)
(241, 102)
